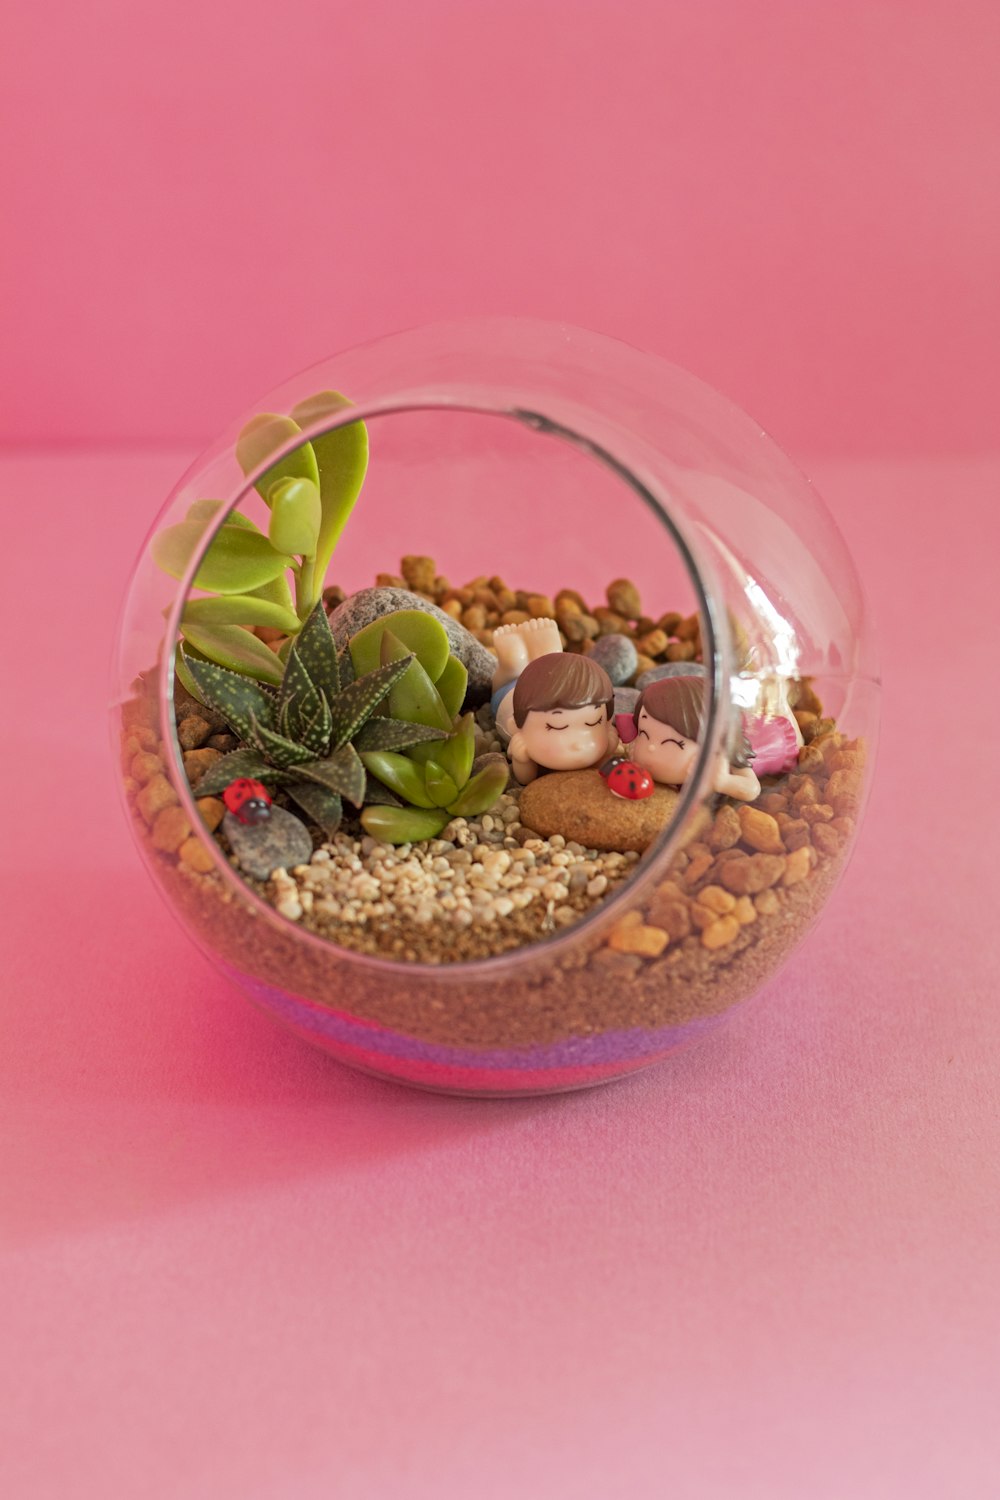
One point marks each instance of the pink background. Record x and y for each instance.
(768, 1269)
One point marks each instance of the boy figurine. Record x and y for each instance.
(668, 716)
(557, 709)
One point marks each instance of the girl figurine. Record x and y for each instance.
(668, 718)
(556, 709)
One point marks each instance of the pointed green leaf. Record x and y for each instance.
(440, 787)
(233, 647)
(345, 667)
(237, 560)
(243, 762)
(239, 609)
(324, 807)
(375, 792)
(355, 704)
(298, 697)
(232, 695)
(315, 732)
(399, 774)
(452, 685)
(316, 650)
(295, 515)
(264, 435)
(281, 752)
(403, 825)
(342, 457)
(277, 591)
(183, 673)
(479, 794)
(340, 772)
(396, 734)
(455, 754)
(418, 631)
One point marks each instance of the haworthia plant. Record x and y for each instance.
(436, 783)
(309, 732)
(309, 494)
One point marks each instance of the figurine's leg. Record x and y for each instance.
(512, 654)
(541, 637)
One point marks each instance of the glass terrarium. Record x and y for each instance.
(496, 705)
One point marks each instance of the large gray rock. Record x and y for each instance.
(669, 669)
(617, 655)
(261, 848)
(371, 604)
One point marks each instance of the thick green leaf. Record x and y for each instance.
(403, 825)
(324, 807)
(239, 609)
(277, 591)
(396, 734)
(234, 696)
(207, 510)
(355, 704)
(316, 650)
(233, 647)
(479, 794)
(375, 792)
(456, 754)
(341, 772)
(264, 435)
(237, 561)
(419, 632)
(295, 515)
(342, 457)
(243, 762)
(399, 774)
(414, 697)
(280, 751)
(452, 685)
(440, 787)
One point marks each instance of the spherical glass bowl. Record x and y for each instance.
(553, 459)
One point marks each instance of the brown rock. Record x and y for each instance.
(637, 937)
(681, 651)
(717, 899)
(212, 810)
(758, 830)
(197, 762)
(623, 598)
(797, 866)
(579, 805)
(145, 765)
(540, 607)
(726, 830)
(672, 914)
(195, 855)
(721, 932)
(193, 731)
(745, 877)
(420, 573)
(170, 829)
(766, 902)
(653, 643)
(154, 797)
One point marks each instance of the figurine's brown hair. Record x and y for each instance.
(680, 702)
(561, 680)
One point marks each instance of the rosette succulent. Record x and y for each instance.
(308, 735)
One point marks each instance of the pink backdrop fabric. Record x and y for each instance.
(766, 1269)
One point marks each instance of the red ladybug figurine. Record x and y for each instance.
(626, 779)
(248, 800)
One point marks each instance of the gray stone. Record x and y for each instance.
(261, 848)
(669, 669)
(371, 604)
(490, 758)
(625, 700)
(617, 655)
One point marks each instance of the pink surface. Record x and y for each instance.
(796, 201)
(766, 1268)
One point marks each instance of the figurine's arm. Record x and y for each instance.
(741, 783)
(523, 766)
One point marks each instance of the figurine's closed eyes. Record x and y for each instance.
(668, 741)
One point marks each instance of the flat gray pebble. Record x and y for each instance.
(261, 848)
(669, 669)
(371, 604)
(617, 655)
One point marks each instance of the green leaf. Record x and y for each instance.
(345, 667)
(233, 647)
(277, 591)
(295, 515)
(341, 772)
(239, 609)
(440, 787)
(479, 794)
(399, 774)
(315, 732)
(396, 734)
(264, 435)
(298, 696)
(356, 703)
(280, 751)
(207, 510)
(414, 697)
(457, 752)
(183, 674)
(316, 650)
(324, 807)
(418, 631)
(243, 762)
(452, 685)
(403, 825)
(232, 695)
(375, 792)
(237, 560)
(342, 457)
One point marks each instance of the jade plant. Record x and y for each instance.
(308, 735)
(244, 575)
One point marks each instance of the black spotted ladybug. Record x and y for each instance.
(248, 800)
(626, 779)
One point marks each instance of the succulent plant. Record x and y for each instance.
(308, 735)
(244, 573)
